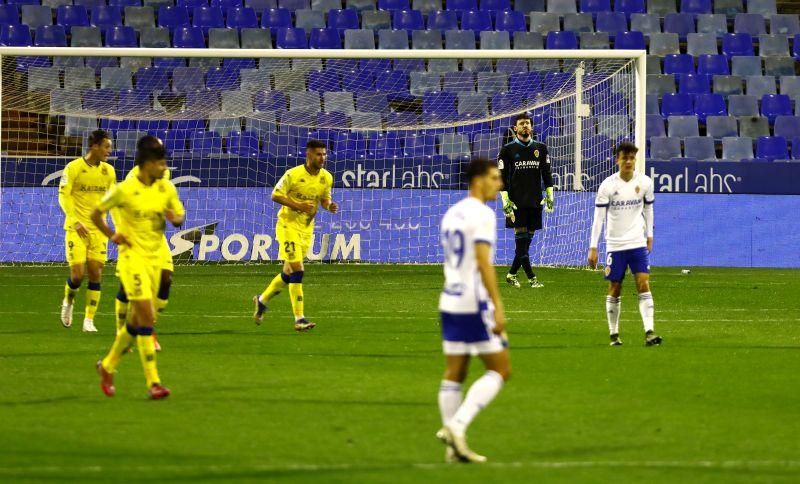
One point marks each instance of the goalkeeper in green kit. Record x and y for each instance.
(525, 170)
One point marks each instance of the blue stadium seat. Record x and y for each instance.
(663, 148)
(291, 38)
(595, 6)
(419, 145)
(207, 18)
(226, 4)
(700, 148)
(709, 105)
(694, 83)
(629, 7)
(135, 101)
(72, 16)
(241, 18)
(279, 145)
(121, 36)
(187, 79)
(719, 127)
(443, 20)
(796, 47)
(654, 126)
(242, 143)
(737, 45)
(525, 83)
(679, 23)
(678, 64)
(186, 37)
(100, 100)
(774, 105)
(343, 19)
(476, 20)
(172, 17)
(391, 82)
(696, 6)
(495, 5)
(392, 39)
(222, 79)
(270, 101)
(561, 40)
(89, 4)
(386, 146)
(796, 149)
(682, 126)
(324, 81)
(630, 40)
(325, 39)
(787, 126)
(673, 104)
(712, 64)
(407, 20)
(462, 5)
(749, 23)
(771, 148)
(9, 15)
(50, 36)
(276, 18)
(15, 35)
(206, 143)
(372, 102)
(191, 4)
(393, 5)
(204, 101)
(152, 79)
(105, 17)
(511, 21)
(611, 22)
(510, 66)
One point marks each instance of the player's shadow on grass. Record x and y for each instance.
(40, 401)
(319, 401)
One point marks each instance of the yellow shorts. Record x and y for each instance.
(293, 245)
(165, 257)
(80, 249)
(139, 275)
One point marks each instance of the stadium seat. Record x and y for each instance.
(510, 66)
(419, 145)
(342, 102)
(459, 81)
(276, 18)
(495, 40)
(653, 65)
(716, 24)
(630, 40)
(682, 126)
(188, 37)
(753, 126)
(455, 146)
(105, 17)
(366, 120)
(578, 22)
(700, 148)
(291, 38)
(241, 18)
(796, 47)
(256, 38)
(526, 83)
(742, 105)
(611, 22)
(787, 126)
(115, 78)
(760, 85)
(206, 143)
(678, 64)
(790, 85)
(324, 81)
(630, 7)
(270, 101)
(595, 40)
(44, 78)
(192, 4)
(309, 19)
(719, 127)
(443, 20)
(772, 148)
(676, 105)
(204, 101)
(172, 17)
(394, 5)
(779, 66)
(222, 79)
(737, 148)
(562, 6)
(544, 22)
(426, 39)
(472, 105)
(459, 39)
(594, 6)
(100, 100)
(701, 44)
(79, 78)
(785, 24)
(139, 17)
(360, 5)
(385, 146)
(408, 20)
(774, 105)
(476, 20)
(326, 5)
(728, 7)
(135, 101)
(746, 66)
(187, 79)
(773, 45)
(660, 84)
(224, 38)
(325, 39)
(709, 105)
(226, 4)
(242, 143)
(304, 101)
(749, 23)
(727, 85)
(424, 82)
(121, 36)
(86, 37)
(694, 84)
(663, 44)
(661, 7)
(372, 102)
(495, 5)
(562, 40)
(391, 82)
(492, 82)
(738, 44)
(207, 18)
(645, 23)
(359, 39)
(343, 19)
(654, 126)
(716, 64)
(651, 105)
(695, 6)
(9, 15)
(679, 23)
(392, 39)
(376, 20)
(510, 21)
(294, 4)
(664, 148)
(72, 16)
(152, 79)
(50, 36)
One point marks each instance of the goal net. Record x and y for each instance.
(400, 126)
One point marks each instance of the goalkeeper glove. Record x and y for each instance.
(508, 205)
(548, 200)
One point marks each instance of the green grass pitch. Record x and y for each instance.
(355, 399)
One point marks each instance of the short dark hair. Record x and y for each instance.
(98, 136)
(625, 147)
(522, 116)
(315, 143)
(478, 167)
(149, 148)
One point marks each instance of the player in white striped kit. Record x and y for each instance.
(625, 203)
(472, 315)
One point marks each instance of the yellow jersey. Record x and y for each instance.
(81, 188)
(299, 185)
(140, 209)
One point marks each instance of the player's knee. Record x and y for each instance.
(76, 274)
(615, 289)
(643, 286)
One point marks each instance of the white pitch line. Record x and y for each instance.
(211, 469)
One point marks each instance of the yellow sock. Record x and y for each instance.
(92, 299)
(296, 293)
(147, 353)
(121, 342)
(69, 292)
(275, 287)
(161, 304)
(121, 310)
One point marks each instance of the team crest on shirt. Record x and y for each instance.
(637, 189)
(607, 270)
(535, 153)
(104, 171)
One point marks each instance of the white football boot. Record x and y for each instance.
(88, 326)
(66, 314)
(459, 445)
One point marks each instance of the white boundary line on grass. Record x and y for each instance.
(674, 464)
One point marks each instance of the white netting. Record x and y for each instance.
(398, 133)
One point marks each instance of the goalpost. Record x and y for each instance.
(400, 124)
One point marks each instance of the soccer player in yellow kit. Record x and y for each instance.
(144, 204)
(83, 183)
(165, 283)
(300, 191)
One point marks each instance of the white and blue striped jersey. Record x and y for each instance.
(465, 224)
(628, 207)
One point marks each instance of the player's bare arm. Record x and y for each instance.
(173, 217)
(489, 278)
(98, 218)
(305, 207)
(330, 205)
(592, 257)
